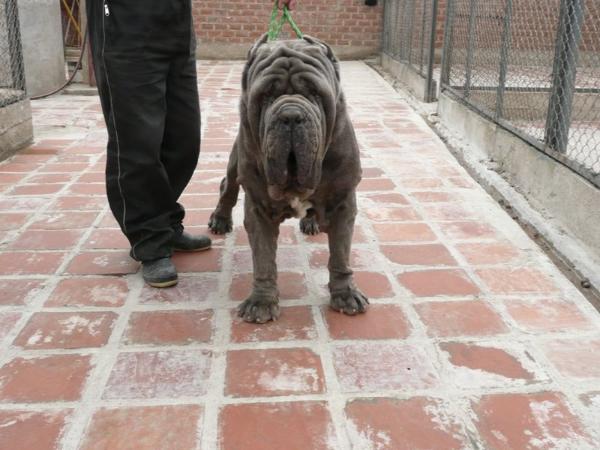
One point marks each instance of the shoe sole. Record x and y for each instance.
(202, 249)
(162, 284)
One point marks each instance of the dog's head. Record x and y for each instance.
(290, 99)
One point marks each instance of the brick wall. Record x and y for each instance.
(226, 28)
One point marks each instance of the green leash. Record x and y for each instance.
(275, 25)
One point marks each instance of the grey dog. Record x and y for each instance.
(296, 155)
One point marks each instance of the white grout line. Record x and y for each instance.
(50, 281)
(456, 397)
(102, 364)
(208, 428)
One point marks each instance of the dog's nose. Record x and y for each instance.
(291, 116)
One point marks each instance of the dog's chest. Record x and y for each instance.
(299, 207)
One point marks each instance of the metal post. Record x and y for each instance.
(470, 46)
(430, 84)
(398, 27)
(506, 30)
(422, 33)
(448, 43)
(409, 29)
(403, 21)
(385, 33)
(558, 121)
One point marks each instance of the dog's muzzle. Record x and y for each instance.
(292, 146)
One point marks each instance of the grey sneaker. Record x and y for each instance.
(186, 242)
(159, 273)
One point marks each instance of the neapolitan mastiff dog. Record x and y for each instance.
(296, 155)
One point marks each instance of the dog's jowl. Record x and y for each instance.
(296, 155)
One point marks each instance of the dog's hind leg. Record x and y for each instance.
(308, 224)
(345, 296)
(220, 221)
(263, 303)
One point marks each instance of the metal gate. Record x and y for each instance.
(409, 37)
(532, 67)
(12, 72)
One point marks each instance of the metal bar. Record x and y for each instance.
(448, 41)
(430, 87)
(422, 34)
(401, 10)
(409, 30)
(526, 90)
(391, 26)
(397, 37)
(506, 30)
(558, 120)
(470, 47)
(385, 28)
(403, 20)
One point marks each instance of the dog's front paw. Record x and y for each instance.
(349, 301)
(309, 225)
(220, 224)
(259, 309)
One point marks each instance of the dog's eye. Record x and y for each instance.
(267, 95)
(267, 100)
(314, 95)
(273, 88)
(312, 90)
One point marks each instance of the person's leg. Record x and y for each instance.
(139, 189)
(181, 141)
(132, 86)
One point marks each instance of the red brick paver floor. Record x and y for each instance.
(474, 338)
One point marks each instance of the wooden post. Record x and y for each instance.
(87, 67)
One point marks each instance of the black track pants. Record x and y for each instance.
(144, 62)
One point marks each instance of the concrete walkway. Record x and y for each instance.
(474, 338)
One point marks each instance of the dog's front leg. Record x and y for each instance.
(345, 296)
(220, 220)
(263, 303)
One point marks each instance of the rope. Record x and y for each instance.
(275, 25)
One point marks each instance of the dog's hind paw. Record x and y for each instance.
(309, 225)
(350, 301)
(219, 224)
(255, 310)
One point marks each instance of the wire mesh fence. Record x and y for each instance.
(409, 36)
(12, 73)
(534, 68)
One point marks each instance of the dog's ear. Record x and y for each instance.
(260, 41)
(250, 58)
(327, 50)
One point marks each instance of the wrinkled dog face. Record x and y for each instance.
(290, 92)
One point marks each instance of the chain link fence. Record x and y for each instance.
(12, 73)
(534, 68)
(409, 37)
